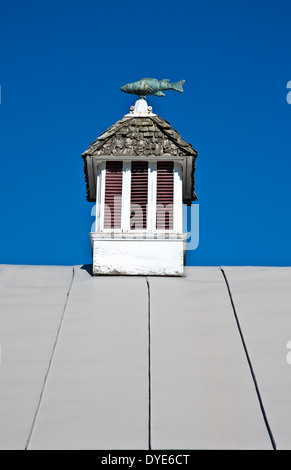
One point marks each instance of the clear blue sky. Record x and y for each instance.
(61, 67)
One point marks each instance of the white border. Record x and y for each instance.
(152, 197)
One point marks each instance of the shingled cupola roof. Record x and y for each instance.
(146, 136)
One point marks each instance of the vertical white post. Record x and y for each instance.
(102, 195)
(152, 197)
(178, 199)
(98, 199)
(125, 198)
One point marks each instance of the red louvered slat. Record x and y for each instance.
(165, 195)
(139, 195)
(113, 192)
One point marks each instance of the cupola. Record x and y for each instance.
(139, 172)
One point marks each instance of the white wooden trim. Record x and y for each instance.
(148, 158)
(152, 197)
(178, 199)
(98, 199)
(102, 194)
(126, 192)
(139, 235)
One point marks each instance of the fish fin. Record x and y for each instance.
(177, 86)
(159, 93)
(165, 80)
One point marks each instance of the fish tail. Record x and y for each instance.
(177, 86)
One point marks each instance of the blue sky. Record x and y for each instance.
(61, 67)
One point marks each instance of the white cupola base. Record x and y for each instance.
(136, 255)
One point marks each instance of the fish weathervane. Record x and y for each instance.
(152, 86)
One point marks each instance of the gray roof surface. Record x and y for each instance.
(113, 362)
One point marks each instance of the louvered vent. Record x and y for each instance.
(113, 192)
(139, 195)
(165, 195)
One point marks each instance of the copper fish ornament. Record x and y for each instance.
(152, 86)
